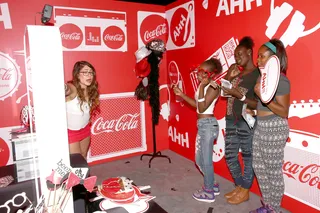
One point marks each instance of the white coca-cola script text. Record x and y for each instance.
(116, 37)
(125, 122)
(70, 36)
(160, 30)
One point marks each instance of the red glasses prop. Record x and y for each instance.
(197, 69)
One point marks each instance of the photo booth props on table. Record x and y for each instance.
(17, 201)
(148, 88)
(60, 183)
(120, 192)
(40, 208)
(247, 117)
(270, 75)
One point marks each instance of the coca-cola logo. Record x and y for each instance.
(113, 37)
(10, 76)
(309, 174)
(125, 122)
(152, 27)
(180, 26)
(71, 36)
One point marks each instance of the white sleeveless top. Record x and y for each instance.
(76, 118)
(210, 109)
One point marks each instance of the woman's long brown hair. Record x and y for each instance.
(93, 93)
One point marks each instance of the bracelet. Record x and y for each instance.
(201, 100)
(243, 98)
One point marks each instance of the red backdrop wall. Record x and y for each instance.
(114, 67)
(217, 27)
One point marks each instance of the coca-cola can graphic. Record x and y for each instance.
(120, 127)
(152, 26)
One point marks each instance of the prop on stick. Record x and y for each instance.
(270, 76)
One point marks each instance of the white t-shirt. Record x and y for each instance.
(210, 109)
(77, 118)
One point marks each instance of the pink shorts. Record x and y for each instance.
(78, 135)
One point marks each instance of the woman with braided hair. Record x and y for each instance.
(243, 76)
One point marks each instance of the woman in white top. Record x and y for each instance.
(208, 129)
(82, 102)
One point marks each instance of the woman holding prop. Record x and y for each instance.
(272, 128)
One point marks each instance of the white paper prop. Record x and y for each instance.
(270, 75)
(247, 117)
(17, 201)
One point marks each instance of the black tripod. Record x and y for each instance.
(155, 153)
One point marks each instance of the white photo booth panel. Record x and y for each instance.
(43, 45)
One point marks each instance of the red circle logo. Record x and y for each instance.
(179, 22)
(152, 27)
(10, 76)
(71, 36)
(113, 37)
(4, 152)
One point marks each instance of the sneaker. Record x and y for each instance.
(216, 189)
(265, 208)
(262, 209)
(204, 196)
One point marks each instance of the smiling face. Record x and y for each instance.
(203, 71)
(85, 76)
(263, 56)
(242, 56)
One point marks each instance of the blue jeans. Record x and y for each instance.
(239, 136)
(208, 130)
